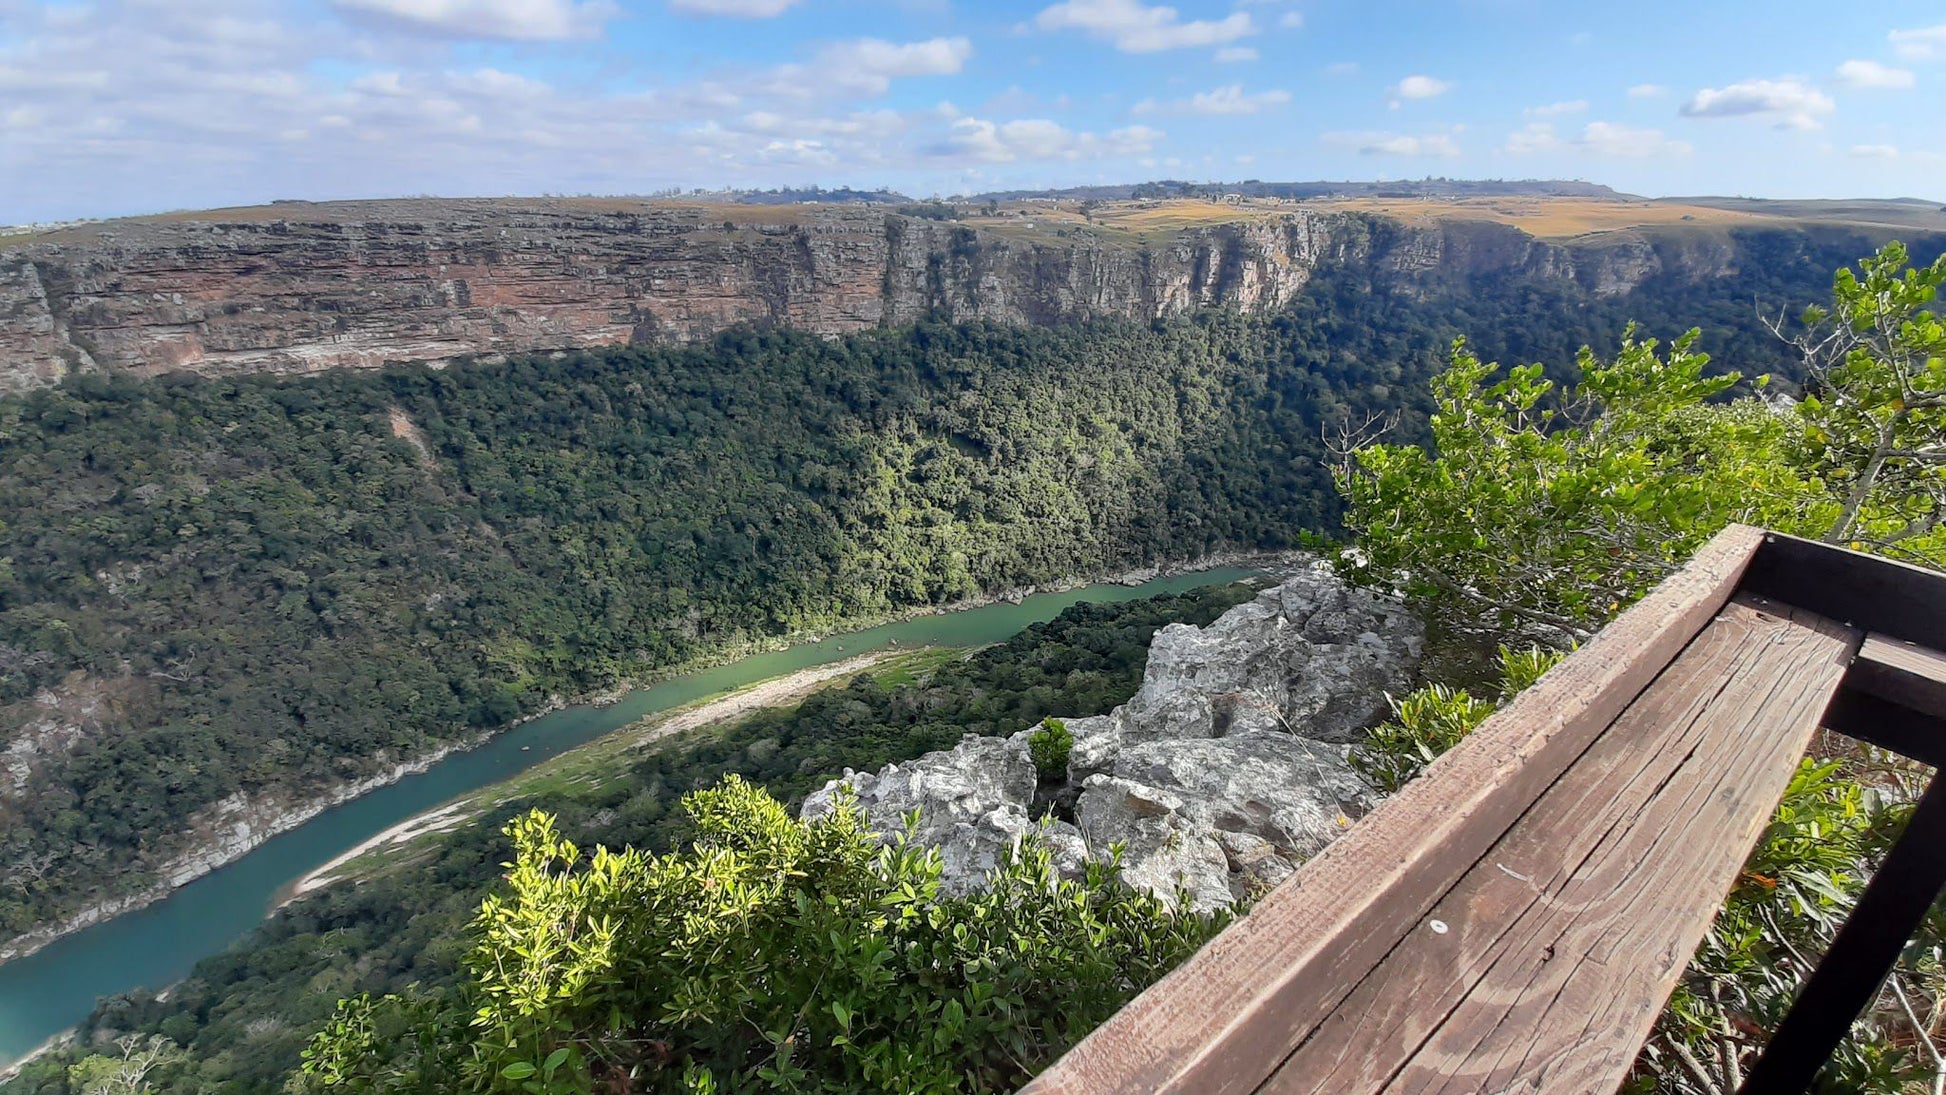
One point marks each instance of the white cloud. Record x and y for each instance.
(1418, 87)
(878, 58)
(1393, 144)
(515, 20)
(1042, 139)
(864, 66)
(1134, 27)
(1233, 100)
(1232, 55)
(1535, 137)
(1341, 68)
(734, 9)
(1647, 91)
(1873, 74)
(1875, 151)
(1795, 104)
(1599, 138)
(1552, 110)
(1230, 99)
(247, 100)
(1921, 43)
(1291, 20)
(1609, 139)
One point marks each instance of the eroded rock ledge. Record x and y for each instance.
(1222, 774)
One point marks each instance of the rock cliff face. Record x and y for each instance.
(299, 288)
(1224, 772)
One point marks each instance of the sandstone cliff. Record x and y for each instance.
(298, 288)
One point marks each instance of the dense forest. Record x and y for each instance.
(242, 1017)
(251, 589)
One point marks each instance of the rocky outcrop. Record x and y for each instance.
(1311, 657)
(1222, 774)
(300, 287)
(972, 803)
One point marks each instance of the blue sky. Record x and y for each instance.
(123, 106)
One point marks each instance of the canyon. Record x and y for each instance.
(297, 287)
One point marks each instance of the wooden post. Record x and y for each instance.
(1867, 947)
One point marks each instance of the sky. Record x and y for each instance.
(111, 107)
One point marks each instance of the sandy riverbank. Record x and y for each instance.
(776, 692)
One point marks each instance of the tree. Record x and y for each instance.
(1545, 508)
(126, 1073)
(1548, 510)
(1875, 404)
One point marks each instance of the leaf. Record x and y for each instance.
(519, 1070)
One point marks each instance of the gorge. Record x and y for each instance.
(296, 496)
(299, 287)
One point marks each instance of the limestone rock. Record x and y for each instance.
(1311, 657)
(1264, 800)
(972, 802)
(1163, 850)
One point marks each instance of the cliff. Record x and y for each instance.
(297, 288)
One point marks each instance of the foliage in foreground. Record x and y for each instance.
(1050, 746)
(1547, 508)
(1433, 719)
(773, 955)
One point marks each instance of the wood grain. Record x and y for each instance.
(1409, 996)
(1568, 992)
(1220, 1022)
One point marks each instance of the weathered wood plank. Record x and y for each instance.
(1376, 1030)
(1568, 1003)
(1241, 1004)
(1903, 673)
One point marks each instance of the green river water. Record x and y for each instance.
(45, 993)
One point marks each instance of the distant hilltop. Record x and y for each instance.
(1256, 188)
(298, 287)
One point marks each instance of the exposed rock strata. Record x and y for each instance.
(300, 288)
(1224, 772)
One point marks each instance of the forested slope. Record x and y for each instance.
(251, 587)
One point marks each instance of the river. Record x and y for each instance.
(51, 990)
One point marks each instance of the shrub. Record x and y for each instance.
(1433, 719)
(1050, 745)
(782, 955)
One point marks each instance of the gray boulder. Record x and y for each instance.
(1311, 657)
(1263, 801)
(1225, 771)
(972, 802)
(1163, 850)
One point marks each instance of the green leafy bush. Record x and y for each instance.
(1050, 745)
(779, 955)
(1431, 720)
